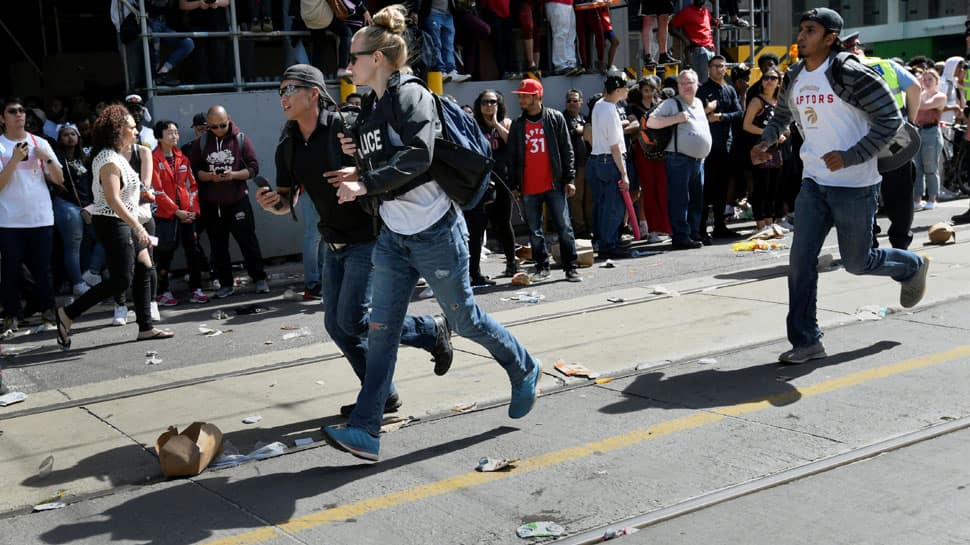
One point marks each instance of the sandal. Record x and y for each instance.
(63, 332)
(155, 333)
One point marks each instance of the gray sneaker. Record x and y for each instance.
(912, 291)
(262, 286)
(224, 292)
(801, 354)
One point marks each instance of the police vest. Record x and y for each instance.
(966, 84)
(888, 73)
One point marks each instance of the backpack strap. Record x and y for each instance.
(680, 108)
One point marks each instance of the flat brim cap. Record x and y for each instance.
(305, 73)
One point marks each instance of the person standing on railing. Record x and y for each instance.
(212, 57)
(159, 12)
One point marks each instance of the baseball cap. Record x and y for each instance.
(652, 81)
(828, 18)
(617, 81)
(305, 73)
(199, 119)
(133, 99)
(529, 87)
(852, 40)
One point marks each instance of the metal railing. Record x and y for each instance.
(234, 34)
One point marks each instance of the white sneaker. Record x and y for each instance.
(917, 206)
(644, 228)
(80, 289)
(153, 311)
(90, 278)
(120, 316)
(930, 205)
(784, 223)
(458, 78)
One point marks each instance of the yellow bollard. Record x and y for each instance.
(647, 71)
(346, 88)
(671, 69)
(435, 83)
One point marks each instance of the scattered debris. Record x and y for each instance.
(151, 357)
(267, 342)
(707, 361)
(394, 423)
(601, 472)
(661, 290)
(11, 398)
(616, 299)
(756, 246)
(604, 380)
(42, 328)
(464, 407)
(45, 469)
(302, 332)
(49, 506)
(487, 465)
(252, 419)
(220, 315)
(521, 279)
(231, 457)
(613, 534)
(320, 382)
(871, 312)
(209, 332)
(20, 350)
(770, 232)
(290, 295)
(941, 233)
(303, 441)
(248, 310)
(289, 327)
(608, 264)
(575, 370)
(188, 453)
(525, 297)
(540, 529)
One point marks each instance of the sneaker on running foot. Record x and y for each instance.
(120, 316)
(442, 353)
(167, 300)
(198, 297)
(356, 441)
(912, 290)
(524, 393)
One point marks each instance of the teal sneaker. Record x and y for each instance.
(524, 393)
(353, 440)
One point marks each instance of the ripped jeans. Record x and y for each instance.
(440, 255)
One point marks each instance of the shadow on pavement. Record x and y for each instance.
(194, 511)
(712, 388)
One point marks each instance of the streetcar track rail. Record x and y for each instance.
(760, 484)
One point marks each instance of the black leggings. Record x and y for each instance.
(766, 194)
(499, 215)
(171, 233)
(120, 255)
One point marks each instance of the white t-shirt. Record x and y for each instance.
(417, 209)
(607, 129)
(146, 137)
(830, 125)
(25, 202)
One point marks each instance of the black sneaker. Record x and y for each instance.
(442, 353)
(667, 58)
(961, 219)
(482, 282)
(648, 60)
(572, 275)
(392, 404)
(511, 270)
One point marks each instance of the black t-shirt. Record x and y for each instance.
(339, 223)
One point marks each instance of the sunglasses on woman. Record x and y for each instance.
(489, 102)
(770, 78)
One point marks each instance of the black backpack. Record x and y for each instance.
(653, 142)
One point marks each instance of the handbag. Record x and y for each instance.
(775, 161)
(340, 9)
(144, 212)
(316, 14)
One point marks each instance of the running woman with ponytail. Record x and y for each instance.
(424, 234)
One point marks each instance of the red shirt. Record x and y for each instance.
(696, 23)
(603, 13)
(538, 169)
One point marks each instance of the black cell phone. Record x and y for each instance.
(221, 170)
(23, 145)
(261, 181)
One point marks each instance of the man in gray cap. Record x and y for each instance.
(845, 119)
(308, 151)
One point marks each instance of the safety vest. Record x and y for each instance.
(966, 84)
(888, 73)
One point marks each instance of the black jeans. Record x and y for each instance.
(119, 253)
(235, 219)
(319, 39)
(897, 203)
(32, 247)
(717, 171)
(766, 194)
(501, 40)
(172, 233)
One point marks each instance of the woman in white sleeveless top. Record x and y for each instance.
(116, 193)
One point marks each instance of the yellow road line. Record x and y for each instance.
(609, 444)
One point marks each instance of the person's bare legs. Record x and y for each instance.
(646, 34)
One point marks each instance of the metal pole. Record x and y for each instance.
(43, 30)
(57, 30)
(146, 36)
(235, 44)
(122, 47)
(751, 32)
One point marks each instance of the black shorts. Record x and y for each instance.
(657, 7)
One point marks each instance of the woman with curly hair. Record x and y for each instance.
(117, 228)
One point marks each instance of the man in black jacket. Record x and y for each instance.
(309, 148)
(542, 171)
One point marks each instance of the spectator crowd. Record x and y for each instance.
(577, 158)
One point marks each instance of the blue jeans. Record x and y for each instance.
(183, 46)
(441, 28)
(851, 211)
(699, 58)
(608, 206)
(81, 249)
(928, 164)
(312, 245)
(292, 53)
(685, 196)
(346, 301)
(440, 255)
(31, 247)
(555, 199)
